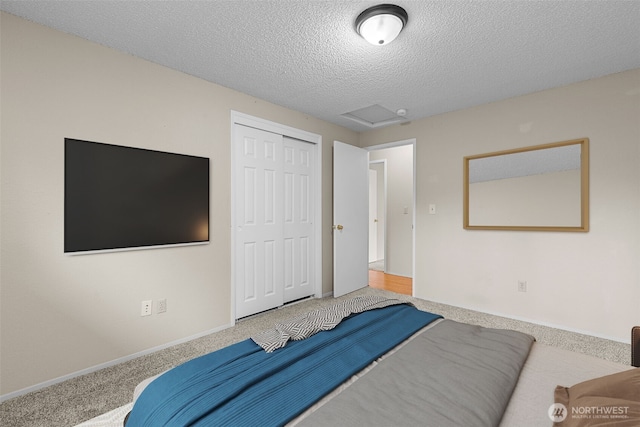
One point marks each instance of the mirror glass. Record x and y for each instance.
(544, 187)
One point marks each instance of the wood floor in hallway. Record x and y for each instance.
(390, 282)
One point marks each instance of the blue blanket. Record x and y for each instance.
(243, 385)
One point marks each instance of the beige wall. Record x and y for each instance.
(62, 314)
(586, 282)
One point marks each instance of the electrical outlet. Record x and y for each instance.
(162, 305)
(522, 286)
(146, 308)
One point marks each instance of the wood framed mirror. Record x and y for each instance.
(538, 188)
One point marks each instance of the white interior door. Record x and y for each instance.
(350, 214)
(259, 263)
(373, 215)
(299, 241)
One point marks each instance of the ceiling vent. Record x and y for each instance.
(374, 116)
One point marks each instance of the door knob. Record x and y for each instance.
(339, 227)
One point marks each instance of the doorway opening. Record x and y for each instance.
(392, 216)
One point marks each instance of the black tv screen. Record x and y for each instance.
(119, 197)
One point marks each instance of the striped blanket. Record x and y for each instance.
(324, 319)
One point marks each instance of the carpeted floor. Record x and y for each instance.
(110, 390)
(377, 265)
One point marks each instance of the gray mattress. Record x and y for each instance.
(452, 374)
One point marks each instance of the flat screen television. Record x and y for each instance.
(118, 198)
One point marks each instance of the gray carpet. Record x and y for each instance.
(82, 398)
(377, 265)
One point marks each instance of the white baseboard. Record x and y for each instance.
(95, 368)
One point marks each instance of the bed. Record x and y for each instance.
(376, 361)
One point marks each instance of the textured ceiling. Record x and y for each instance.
(305, 55)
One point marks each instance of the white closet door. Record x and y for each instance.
(259, 264)
(299, 207)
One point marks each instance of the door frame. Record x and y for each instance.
(412, 142)
(269, 126)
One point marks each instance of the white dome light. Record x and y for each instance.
(380, 25)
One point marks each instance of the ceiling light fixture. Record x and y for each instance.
(381, 24)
